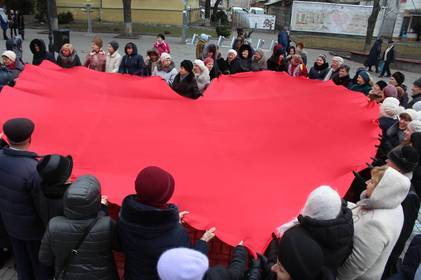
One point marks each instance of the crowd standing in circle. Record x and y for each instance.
(45, 216)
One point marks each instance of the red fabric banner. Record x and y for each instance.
(244, 157)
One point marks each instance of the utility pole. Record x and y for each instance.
(185, 22)
(50, 31)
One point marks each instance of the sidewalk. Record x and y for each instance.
(179, 51)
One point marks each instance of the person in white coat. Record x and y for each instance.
(378, 220)
(165, 68)
(113, 58)
(201, 72)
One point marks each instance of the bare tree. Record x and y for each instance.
(53, 11)
(207, 8)
(127, 14)
(372, 24)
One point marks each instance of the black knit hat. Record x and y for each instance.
(114, 45)
(18, 130)
(55, 169)
(417, 83)
(188, 65)
(382, 84)
(399, 77)
(405, 158)
(300, 255)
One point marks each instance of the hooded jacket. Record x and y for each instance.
(245, 63)
(203, 79)
(318, 72)
(145, 232)
(335, 236)
(167, 73)
(42, 54)
(378, 221)
(132, 64)
(259, 65)
(68, 61)
(51, 201)
(81, 202)
(277, 62)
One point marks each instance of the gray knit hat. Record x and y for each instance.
(417, 83)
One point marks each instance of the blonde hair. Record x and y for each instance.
(68, 47)
(297, 59)
(377, 173)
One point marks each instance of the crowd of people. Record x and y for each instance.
(13, 21)
(60, 229)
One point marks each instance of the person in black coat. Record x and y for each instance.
(416, 176)
(185, 83)
(67, 57)
(19, 184)
(55, 171)
(40, 52)
(343, 78)
(5, 247)
(187, 264)
(416, 93)
(277, 62)
(404, 159)
(411, 262)
(245, 55)
(232, 64)
(149, 225)
(132, 62)
(374, 55)
(320, 68)
(388, 58)
(81, 216)
(20, 22)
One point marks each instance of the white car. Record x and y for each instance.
(257, 11)
(236, 10)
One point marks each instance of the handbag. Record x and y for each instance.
(75, 250)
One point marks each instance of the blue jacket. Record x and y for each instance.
(19, 184)
(283, 39)
(146, 232)
(132, 64)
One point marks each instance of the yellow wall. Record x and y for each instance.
(143, 11)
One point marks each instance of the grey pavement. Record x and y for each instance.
(179, 51)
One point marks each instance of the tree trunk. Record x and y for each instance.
(127, 13)
(207, 8)
(53, 11)
(215, 9)
(371, 24)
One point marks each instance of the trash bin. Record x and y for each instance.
(61, 37)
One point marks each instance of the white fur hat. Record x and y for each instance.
(417, 106)
(339, 59)
(324, 203)
(10, 55)
(165, 56)
(182, 264)
(232, 51)
(412, 113)
(200, 63)
(390, 107)
(415, 126)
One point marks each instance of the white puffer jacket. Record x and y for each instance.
(378, 223)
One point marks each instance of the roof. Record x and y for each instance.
(271, 2)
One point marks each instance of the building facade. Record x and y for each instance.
(143, 11)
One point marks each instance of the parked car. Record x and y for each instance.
(236, 10)
(257, 11)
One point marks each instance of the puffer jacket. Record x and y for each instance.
(68, 61)
(166, 73)
(186, 86)
(236, 269)
(335, 236)
(318, 72)
(82, 203)
(203, 80)
(378, 221)
(132, 64)
(43, 54)
(145, 232)
(50, 200)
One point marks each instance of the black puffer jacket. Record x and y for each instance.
(236, 269)
(51, 201)
(318, 72)
(335, 237)
(82, 202)
(416, 177)
(145, 233)
(42, 54)
(245, 63)
(132, 64)
(186, 87)
(342, 81)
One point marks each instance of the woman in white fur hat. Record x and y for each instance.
(201, 72)
(378, 220)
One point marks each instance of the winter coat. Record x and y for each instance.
(167, 73)
(186, 86)
(20, 21)
(393, 136)
(385, 123)
(342, 81)
(200, 46)
(96, 61)
(162, 47)
(378, 221)
(132, 64)
(68, 61)
(277, 63)
(113, 62)
(411, 261)
(235, 66)
(43, 54)
(215, 72)
(415, 99)
(50, 201)
(410, 207)
(203, 80)
(245, 63)
(283, 39)
(416, 175)
(374, 55)
(298, 70)
(318, 72)
(19, 186)
(365, 88)
(259, 65)
(236, 269)
(82, 203)
(390, 57)
(8, 74)
(15, 45)
(145, 232)
(335, 237)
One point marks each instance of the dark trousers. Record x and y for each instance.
(26, 257)
(386, 69)
(13, 32)
(5, 34)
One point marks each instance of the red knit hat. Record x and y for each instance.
(154, 186)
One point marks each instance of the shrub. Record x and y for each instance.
(64, 18)
(223, 30)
